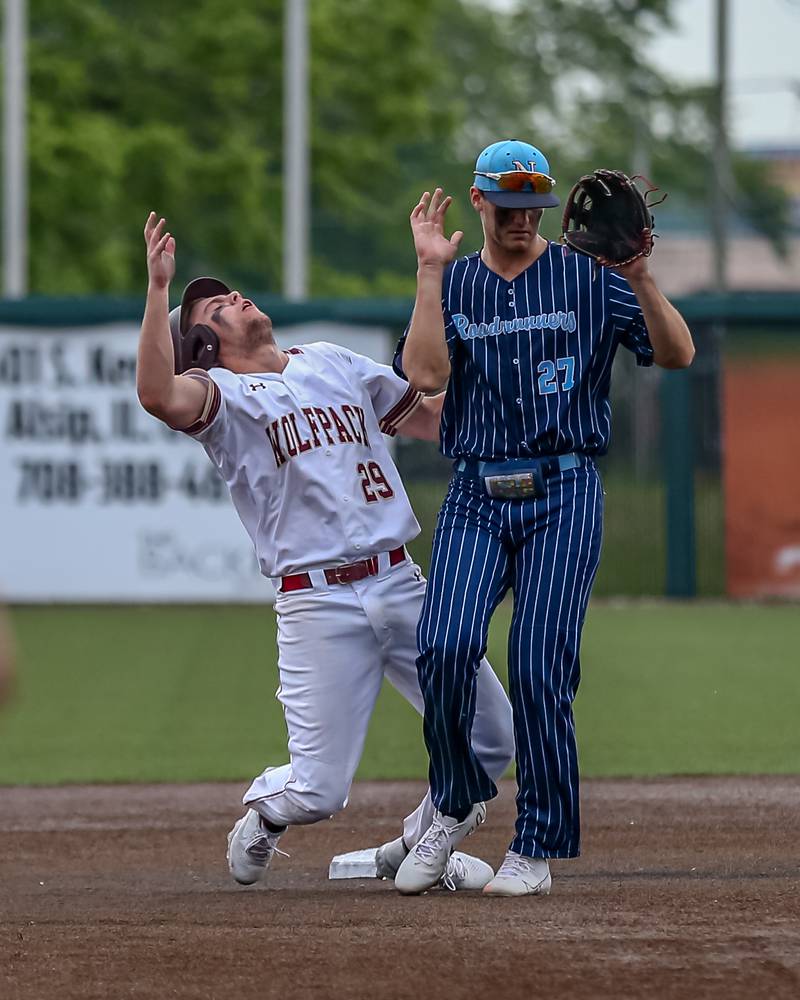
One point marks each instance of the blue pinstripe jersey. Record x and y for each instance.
(531, 358)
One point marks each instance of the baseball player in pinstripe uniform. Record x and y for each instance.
(523, 335)
(297, 436)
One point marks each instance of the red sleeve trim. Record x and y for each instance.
(211, 405)
(401, 411)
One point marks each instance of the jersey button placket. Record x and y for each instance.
(512, 301)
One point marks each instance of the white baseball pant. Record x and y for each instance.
(335, 644)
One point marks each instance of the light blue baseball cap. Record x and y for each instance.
(510, 156)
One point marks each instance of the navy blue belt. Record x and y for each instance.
(518, 478)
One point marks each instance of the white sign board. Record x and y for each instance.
(99, 502)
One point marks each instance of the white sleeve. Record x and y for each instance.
(214, 415)
(393, 399)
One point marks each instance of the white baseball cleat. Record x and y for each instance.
(250, 848)
(465, 872)
(462, 872)
(426, 862)
(520, 876)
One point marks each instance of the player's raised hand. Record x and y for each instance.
(160, 252)
(634, 271)
(427, 226)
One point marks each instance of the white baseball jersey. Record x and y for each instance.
(303, 455)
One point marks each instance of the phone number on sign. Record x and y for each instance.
(115, 482)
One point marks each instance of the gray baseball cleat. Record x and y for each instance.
(250, 848)
(463, 871)
(520, 876)
(389, 857)
(426, 862)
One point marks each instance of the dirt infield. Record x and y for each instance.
(687, 888)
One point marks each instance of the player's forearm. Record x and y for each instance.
(672, 342)
(423, 424)
(426, 361)
(155, 362)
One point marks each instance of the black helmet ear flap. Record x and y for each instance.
(197, 348)
(201, 347)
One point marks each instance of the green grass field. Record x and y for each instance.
(187, 694)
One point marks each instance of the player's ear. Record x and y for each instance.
(476, 198)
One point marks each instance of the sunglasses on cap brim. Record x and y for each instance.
(517, 180)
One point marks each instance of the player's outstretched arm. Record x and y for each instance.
(177, 401)
(672, 342)
(426, 361)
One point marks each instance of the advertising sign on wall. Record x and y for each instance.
(98, 500)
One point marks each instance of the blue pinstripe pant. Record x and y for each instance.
(547, 552)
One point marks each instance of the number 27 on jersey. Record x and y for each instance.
(552, 372)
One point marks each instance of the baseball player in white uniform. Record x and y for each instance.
(298, 437)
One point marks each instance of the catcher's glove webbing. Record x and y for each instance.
(607, 217)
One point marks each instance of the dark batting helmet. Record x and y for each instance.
(197, 346)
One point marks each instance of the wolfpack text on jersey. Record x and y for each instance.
(303, 455)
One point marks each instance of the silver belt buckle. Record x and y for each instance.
(517, 486)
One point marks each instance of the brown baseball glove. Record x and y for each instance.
(607, 217)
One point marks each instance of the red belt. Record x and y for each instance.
(342, 574)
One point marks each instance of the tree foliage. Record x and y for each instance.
(178, 107)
